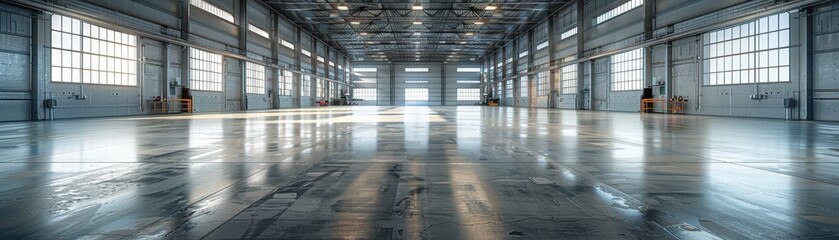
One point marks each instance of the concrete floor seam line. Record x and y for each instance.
(786, 174)
(231, 184)
(277, 188)
(272, 191)
(720, 161)
(203, 198)
(604, 185)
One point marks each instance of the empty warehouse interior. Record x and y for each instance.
(479, 119)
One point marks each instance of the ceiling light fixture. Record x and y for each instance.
(343, 7)
(355, 23)
(490, 7)
(417, 23)
(479, 22)
(470, 34)
(364, 34)
(417, 6)
(462, 42)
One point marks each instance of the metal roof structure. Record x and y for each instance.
(423, 30)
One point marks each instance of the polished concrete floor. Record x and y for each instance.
(420, 173)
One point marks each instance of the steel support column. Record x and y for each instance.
(243, 50)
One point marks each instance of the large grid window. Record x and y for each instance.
(498, 89)
(568, 76)
(468, 94)
(523, 87)
(306, 86)
(204, 70)
(632, 4)
(508, 91)
(543, 84)
(285, 83)
(306, 52)
(468, 69)
(755, 52)
(416, 94)
(212, 10)
(628, 70)
(255, 75)
(85, 53)
(524, 54)
(365, 94)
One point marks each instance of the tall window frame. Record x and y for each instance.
(321, 88)
(305, 86)
(627, 70)
(508, 89)
(205, 71)
(523, 87)
(416, 94)
(568, 79)
(286, 83)
(468, 94)
(543, 84)
(255, 78)
(86, 53)
(754, 52)
(366, 94)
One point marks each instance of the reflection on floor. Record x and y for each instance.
(420, 172)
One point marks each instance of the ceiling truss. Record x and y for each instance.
(443, 30)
